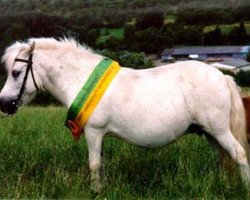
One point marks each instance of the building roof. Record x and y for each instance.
(231, 63)
(206, 50)
(235, 62)
(245, 68)
(222, 66)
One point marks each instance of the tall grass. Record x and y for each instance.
(39, 159)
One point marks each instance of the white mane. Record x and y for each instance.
(69, 44)
(65, 44)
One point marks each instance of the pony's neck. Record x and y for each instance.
(64, 75)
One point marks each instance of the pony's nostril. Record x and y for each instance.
(17, 102)
(9, 106)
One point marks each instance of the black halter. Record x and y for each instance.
(29, 68)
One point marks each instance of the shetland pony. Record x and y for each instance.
(150, 107)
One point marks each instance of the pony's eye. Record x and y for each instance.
(16, 73)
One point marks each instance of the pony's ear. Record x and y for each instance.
(30, 48)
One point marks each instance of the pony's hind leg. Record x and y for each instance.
(237, 152)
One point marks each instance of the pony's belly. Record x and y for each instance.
(154, 136)
(149, 140)
(151, 126)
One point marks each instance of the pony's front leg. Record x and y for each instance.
(94, 141)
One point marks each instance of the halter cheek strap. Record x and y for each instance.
(29, 68)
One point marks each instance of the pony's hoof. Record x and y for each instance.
(96, 187)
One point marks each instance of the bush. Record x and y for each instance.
(248, 56)
(227, 72)
(128, 59)
(238, 36)
(243, 78)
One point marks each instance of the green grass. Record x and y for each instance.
(106, 33)
(39, 159)
(169, 19)
(226, 28)
(245, 91)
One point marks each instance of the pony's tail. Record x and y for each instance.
(238, 116)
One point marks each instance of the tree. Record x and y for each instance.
(129, 37)
(213, 37)
(152, 18)
(217, 36)
(238, 36)
(193, 35)
(248, 56)
(16, 31)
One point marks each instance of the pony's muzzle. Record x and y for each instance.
(9, 106)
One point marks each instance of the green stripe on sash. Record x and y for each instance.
(87, 89)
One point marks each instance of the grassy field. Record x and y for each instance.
(226, 28)
(118, 33)
(39, 159)
(106, 33)
(245, 91)
(169, 19)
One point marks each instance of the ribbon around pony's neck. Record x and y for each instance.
(90, 95)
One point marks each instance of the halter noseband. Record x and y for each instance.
(29, 68)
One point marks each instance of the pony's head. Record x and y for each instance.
(20, 85)
(44, 63)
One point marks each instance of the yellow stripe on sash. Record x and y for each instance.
(96, 95)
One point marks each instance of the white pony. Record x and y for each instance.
(150, 108)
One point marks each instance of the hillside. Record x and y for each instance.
(114, 24)
(70, 7)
